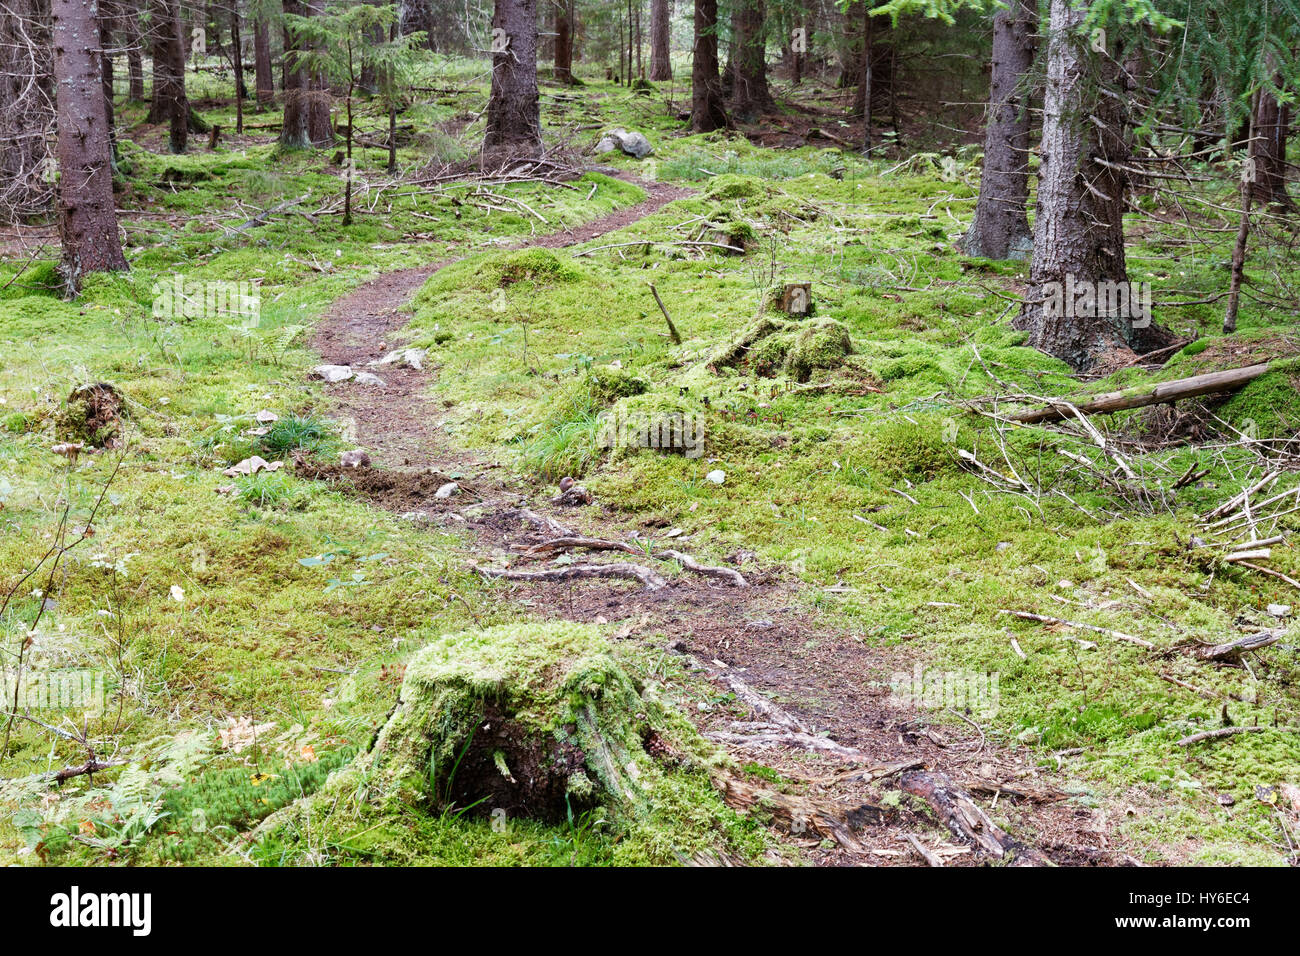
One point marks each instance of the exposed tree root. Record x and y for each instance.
(567, 540)
(652, 581)
(801, 815)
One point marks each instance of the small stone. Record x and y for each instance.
(1280, 610)
(717, 476)
(354, 459)
(447, 490)
(333, 373)
(369, 378)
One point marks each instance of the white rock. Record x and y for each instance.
(1280, 610)
(333, 373)
(447, 490)
(369, 378)
(412, 358)
(717, 476)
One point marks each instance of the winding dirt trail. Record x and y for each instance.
(810, 700)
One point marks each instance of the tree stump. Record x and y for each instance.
(796, 299)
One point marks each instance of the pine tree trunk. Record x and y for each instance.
(513, 118)
(169, 104)
(750, 95)
(87, 218)
(1272, 128)
(26, 109)
(105, 20)
(262, 63)
(707, 112)
(564, 41)
(134, 51)
(306, 103)
(661, 67)
(1000, 229)
(1079, 229)
(868, 74)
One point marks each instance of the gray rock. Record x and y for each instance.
(447, 490)
(632, 143)
(369, 378)
(333, 373)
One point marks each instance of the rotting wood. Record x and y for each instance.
(1233, 650)
(570, 541)
(963, 817)
(1207, 384)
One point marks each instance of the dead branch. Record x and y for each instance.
(963, 817)
(652, 581)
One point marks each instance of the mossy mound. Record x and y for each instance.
(903, 449)
(824, 344)
(528, 720)
(92, 415)
(1266, 407)
(730, 186)
(608, 384)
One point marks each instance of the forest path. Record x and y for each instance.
(760, 643)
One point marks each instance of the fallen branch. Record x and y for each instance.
(1225, 381)
(1230, 732)
(963, 817)
(652, 581)
(1234, 649)
(1045, 619)
(570, 541)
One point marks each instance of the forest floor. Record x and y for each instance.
(259, 635)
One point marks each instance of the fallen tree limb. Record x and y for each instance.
(1045, 619)
(571, 540)
(800, 815)
(1209, 383)
(965, 820)
(1230, 732)
(1234, 649)
(652, 581)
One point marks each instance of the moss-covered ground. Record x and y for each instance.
(257, 639)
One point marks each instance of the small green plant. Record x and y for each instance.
(298, 433)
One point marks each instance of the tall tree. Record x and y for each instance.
(87, 217)
(1272, 127)
(306, 99)
(513, 117)
(26, 109)
(661, 67)
(563, 40)
(169, 104)
(1000, 229)
(707, 111)
(1082, 185)
(263, 81)
(749, 91)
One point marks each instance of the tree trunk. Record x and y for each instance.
(87, 218)
(134, 37)
(108, 15)
(1079, 229)
(564, 40)
(1272, 127)
(868, 74)
(707, 112)
(262, 62)
(661, 67)
(750, 95)
(306, 103)
(26, 110)
(237, 60)
(1000, 229)
(513, 119)
(169, 104)
(1249, 181)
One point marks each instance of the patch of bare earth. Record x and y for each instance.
(858, 778)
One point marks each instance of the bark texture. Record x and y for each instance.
(661, 67)
(169, 104)
(26, 110)
(750, 95)
(1000, 229)
(1272, 128)
(264, 82)
(513, 119)
(707, 112)
(306, 99)
(87, 218)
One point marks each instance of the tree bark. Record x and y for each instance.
(750, 95)
(868, 71)
(513, 118)
(707, 112)
(563, 40)
(306, 102)
(1000, 229)
(26, 109)
(134, 37)
(170, 104)
(87, 218)
(1079, 227)
(1272, 128)
(661, 67)
(262, 62)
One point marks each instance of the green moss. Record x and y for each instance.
(822, 344)
(608, 384)
(1267, 407)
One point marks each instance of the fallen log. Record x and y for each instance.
(963, 817)
(652, 581)
(1233, 650)
(801, 816)
(1225, 381)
